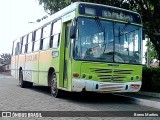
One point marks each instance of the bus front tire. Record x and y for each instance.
(57, 93)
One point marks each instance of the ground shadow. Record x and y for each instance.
(86, 97)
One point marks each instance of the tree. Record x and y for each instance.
(52, 6)
(152, 54)
(6, 58)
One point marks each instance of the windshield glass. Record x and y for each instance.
(116, 42)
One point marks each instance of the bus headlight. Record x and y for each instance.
(83, 75)
(137, 77)
(90, 77)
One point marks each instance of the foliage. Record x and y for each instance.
(152, 53)
(6, 58)
(52, 6)
(151, 79)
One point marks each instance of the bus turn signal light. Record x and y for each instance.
(135, 86)
(75, 75)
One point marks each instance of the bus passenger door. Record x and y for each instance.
(67, 60)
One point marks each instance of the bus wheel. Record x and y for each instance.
(22, 83)
(54, 90)
(29, 84)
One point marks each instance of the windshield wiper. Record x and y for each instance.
(102, 29)
(123, 29)
(127, 44)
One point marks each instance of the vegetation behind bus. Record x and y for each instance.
(151, 79)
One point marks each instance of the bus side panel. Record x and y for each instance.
(28, 67)
(35, 73)
(16, 67)
(21, 63)
(45, 62)
(13, 66)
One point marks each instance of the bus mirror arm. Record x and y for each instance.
(143, 35)
(73, 32)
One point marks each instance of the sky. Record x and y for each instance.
(15, 18)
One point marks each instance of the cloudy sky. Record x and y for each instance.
(15, 18)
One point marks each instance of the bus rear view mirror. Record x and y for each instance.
(73, 32)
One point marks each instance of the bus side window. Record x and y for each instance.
(46, 36)
(56, 40)
(67, 33)
(51, 38)
(21, 44)
(37, 37)
(24, 38)
(55, 35)
(17, 48)
(13, 48)
(29, 43)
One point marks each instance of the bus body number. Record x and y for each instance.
(31, 58)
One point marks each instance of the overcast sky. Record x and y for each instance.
(15, 16)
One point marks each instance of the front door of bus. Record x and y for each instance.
(67, 60)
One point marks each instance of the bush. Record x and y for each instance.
(151, 79)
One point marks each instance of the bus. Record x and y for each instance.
(83, 47)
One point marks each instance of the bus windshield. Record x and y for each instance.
(119, 42)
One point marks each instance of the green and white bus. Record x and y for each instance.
(83, 47)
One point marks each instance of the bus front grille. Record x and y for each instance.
(111, 75)
(101, 70)
(111, 78)
(122, 71)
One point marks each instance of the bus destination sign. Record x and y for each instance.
(109, 12)
(117, 15)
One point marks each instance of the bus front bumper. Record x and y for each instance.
(79, 85)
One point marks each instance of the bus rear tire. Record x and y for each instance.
(29, 84)
(57, 93)
(22, 83)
